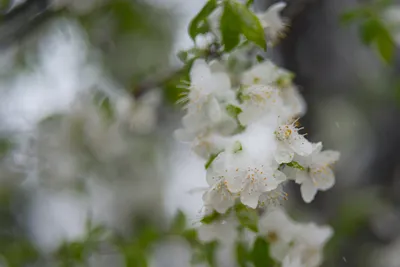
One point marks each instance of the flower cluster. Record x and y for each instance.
(294, 244)
(246, 129)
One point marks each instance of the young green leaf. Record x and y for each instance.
(296, 165)
(249, 3)
(247, 217)
(260, 254)
(385, 45)
(230, 27)
(211, 217)
(179, 223)
(369, 30)
(250, 25)
(242, 254)
(199, 23)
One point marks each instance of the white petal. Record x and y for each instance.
(300, 144)
(221, 81)
(317, 147)
(328, 157)
(214, 112)
(250, 199)
(235, 182)
(199, 71)
(302, 176)
(314, 235)
(308, 191)
(226, 126)
(279, 250)
(289, 262)
(279, 176)
(224, 204)
(212, 177)
(283, 154)
(323, 178)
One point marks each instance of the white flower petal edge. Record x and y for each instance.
(318, 175)
(272, 21)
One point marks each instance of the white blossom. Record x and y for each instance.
(200, 125)
(272, 22)
(205, 145)
(292, 262)
(204, 103)
(294, 244)
(289, 143)
(279, 230)
(206, 86)
(267, 73)
(309, 242)
(218, 196)
(273, 198)
(242, 175)
(223, 230)
(317, 173)
(295, 105)
(259, 102)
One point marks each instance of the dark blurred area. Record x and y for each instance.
(87, 91)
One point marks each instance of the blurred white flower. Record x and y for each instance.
(294, 244)
(309, 242)
(266, 73)
(223, 230)
(279, 230)
(272, 22)
(317, 173)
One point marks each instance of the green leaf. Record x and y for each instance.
(199, 23)
(386, 46)
(260, 58)
(352, 15)
(211, 217)
(260, 254)
(250, 25)
(249, 3)
(5, 146)
(296, 165)
(369, 30)
(247, 217)
(191, 236)
(242, 254)
(179, 223)
(230, 27)
(210, 160)
(210, 249)
(233, 110)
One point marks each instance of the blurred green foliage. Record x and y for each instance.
(372, 27)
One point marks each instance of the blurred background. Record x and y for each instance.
(87, 111)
